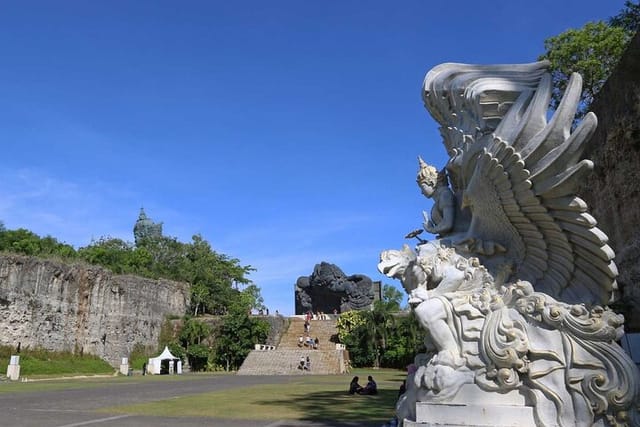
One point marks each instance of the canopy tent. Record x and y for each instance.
(165, 363)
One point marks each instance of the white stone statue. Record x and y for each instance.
(513, 294)
(434, 184)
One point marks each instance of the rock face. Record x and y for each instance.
(329, 289)
(82, 308)
(613, 190)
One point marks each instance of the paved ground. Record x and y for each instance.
(75, 408)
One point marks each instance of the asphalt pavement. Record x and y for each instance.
(77, 407)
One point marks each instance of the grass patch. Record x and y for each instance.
(38, 386)
(140, 355)
(44, 384)
(45, 362)
(308, 398)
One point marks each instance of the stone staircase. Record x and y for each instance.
(285, 359)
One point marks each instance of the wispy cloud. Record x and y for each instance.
(66, 210)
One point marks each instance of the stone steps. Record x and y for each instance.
(324, 330)
(284, 360)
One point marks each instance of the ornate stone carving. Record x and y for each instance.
(512, 295)
(329, 289)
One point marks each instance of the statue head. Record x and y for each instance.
(429, 179)
(402, 265)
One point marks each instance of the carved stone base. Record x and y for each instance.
(13, 372)
(472, 407)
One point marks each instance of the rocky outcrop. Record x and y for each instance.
(329, 289)
(82, 308)
(613, 190)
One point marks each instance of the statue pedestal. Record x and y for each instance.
(13, 372)
(474, 407)
(13, 369)
(124, 366)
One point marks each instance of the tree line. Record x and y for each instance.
(219, 286)
(218, 282)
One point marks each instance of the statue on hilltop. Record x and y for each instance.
(513, 293)
(145, 228)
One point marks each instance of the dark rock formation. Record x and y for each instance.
(613, 190)
(329, 289)
(83, 308)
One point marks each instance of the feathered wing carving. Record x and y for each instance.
(499, 293)
(518, 174)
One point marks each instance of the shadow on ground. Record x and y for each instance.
(342, 409)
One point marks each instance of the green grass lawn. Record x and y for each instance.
(308, 398)
(305, 397)
(38, 362)
(53, 383)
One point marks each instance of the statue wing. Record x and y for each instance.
(519, 178)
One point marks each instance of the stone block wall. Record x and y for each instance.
(83, 308)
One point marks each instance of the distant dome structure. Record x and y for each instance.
(145, 228)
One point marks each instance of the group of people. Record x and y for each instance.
(356, 388)
(305, 364)
(318, 315)
(308, 342)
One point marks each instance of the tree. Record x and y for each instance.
(214, 278)
(392, 298)
(29, 243)
(593, 51)
(354, 332)
(114, 254)
(375, 337)
(192, 335)
(406, 341)
(193, 332)
(238, 335)
(628, 18)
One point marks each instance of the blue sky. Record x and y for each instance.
(285, 132)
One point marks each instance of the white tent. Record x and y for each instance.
(165, 363)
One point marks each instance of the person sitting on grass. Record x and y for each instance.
(371, 387)
(354, 387)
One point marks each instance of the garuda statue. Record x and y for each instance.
(513, 292)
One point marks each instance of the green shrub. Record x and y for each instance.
(140, 355)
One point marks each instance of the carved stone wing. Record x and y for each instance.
(519, 178)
